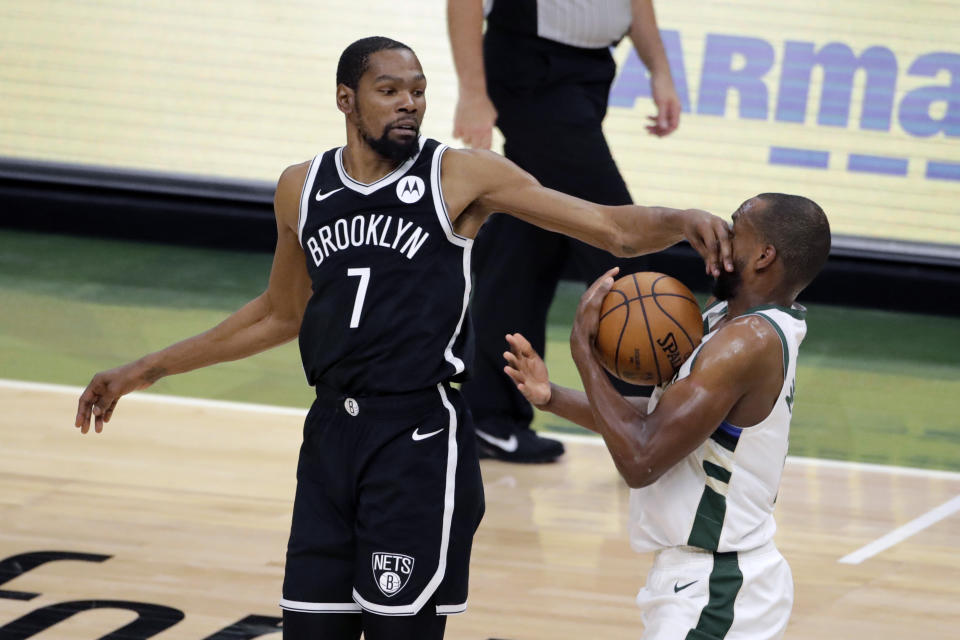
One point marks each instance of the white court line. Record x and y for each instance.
(157, 397)
(902, 533)
(866, 467)
(565, 437)
(869, 467)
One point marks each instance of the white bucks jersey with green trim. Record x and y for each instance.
(721, 496)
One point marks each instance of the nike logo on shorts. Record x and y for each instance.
(509, 445)
(324, 196)
(417, 436)
(678, 589)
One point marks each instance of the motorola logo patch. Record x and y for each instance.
(410, 189)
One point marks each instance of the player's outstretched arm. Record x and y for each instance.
(478, 183)
(734, 368)
(529, 372)
(271, 319)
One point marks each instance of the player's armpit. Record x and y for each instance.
(640, 403)
(737, 377)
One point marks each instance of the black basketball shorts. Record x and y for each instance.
(389, 496)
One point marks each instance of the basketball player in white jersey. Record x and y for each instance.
(704, 457)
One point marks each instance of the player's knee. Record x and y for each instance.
(313, 626)
(426, 625)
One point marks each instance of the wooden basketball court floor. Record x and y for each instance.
(183, 506)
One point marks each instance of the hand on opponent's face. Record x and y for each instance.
(710, 237)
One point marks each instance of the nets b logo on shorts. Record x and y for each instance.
(391, 571)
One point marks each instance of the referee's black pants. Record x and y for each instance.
(551, 100)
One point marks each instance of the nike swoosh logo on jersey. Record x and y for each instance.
(509, 445)
(324, 196)
(417, 436)
(678, 589)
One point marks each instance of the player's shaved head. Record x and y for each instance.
(355, 59)
(799, 230)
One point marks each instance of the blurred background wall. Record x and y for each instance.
(171, 120)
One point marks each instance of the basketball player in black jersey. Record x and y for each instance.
(371, 270)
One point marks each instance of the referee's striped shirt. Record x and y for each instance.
(590, 24)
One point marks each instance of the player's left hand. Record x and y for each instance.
(106, 388)
(527, 370)
(668, 106)
(587, 320)
(710, 236)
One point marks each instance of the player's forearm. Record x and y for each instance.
(646, 38)
(571, 405)
(255, 327)
(616, 419)
(465, 29)
(640, 230)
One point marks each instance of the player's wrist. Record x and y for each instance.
(147, 370)
(545, 404)
(580, 345)
(676, 220)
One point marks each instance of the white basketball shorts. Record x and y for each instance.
(692, 594)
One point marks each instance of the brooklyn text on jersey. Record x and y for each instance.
(372, 230)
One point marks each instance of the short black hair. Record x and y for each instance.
(355, 59)
(799, 229)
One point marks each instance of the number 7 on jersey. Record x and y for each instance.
(364, 274)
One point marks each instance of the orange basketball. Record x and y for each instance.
(650, 323)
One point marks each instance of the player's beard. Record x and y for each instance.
(727, 285)
(391, 149)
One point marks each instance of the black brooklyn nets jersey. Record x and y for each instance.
(391, 279)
